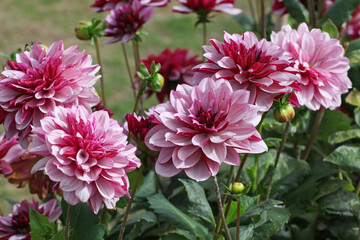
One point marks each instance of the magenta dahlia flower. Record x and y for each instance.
(207, 6)
(17, 225)
(41, 79)
(124, 21)
(257, 66)
(321, 64)
(202, 127)
(175, 68)
(10, 151)
(86, 154)
(107, 5)
(353, 26)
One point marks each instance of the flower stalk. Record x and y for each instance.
(128, 69)
(67, 224)
(221, 210)
(128, 207)
(279, 151)
(97, 49)
(238, 218)
(263, 25)
(315, 129)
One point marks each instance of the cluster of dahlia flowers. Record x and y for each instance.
(47, 100)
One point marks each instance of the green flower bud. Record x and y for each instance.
(156, 83)
(237, 187)
(82, 30)
(284, 113)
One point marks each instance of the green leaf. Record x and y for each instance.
(179, 235)
(330, 28)
(354, 58)
(344, 228)
(149, 186)
(172, 214)
(246, 232)
(198, 204)
(152, 67)
(144, 71)
(141, 75)
(343, 136)
(84, 224)
(246, 203)
(341, 202)
(41, 227)
(333, 121)
(353, 45)
(157, 68)
(59, 236)
(289, 182)
(328, 186)
(353, 98)
(255, 212)
(296, 10)
(340, 12)
(347, 156)
(357, 116)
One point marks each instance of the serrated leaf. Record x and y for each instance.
(246, 203)
(330, 28)
(59, 236)
(346, 156)
(343, 136)
(172, 214)
(149, 186)
(296, 10)
(84, 224)
(256, 211)
(41, 227)
(246, 232)
(341, 202)
(327, 187)
(346, 7)
(198, 204)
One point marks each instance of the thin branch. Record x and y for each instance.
(128, 69)
(67, 224)
(97, 48)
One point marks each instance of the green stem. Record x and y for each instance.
(238, 218)
(97, 49)
(252, 10)
(263, 26)
(138, 97)
(311, 9)
(136, 55)
(281, 148)
(357, 190)
(204, 33)
(1, 212)
(67, 224)
(128, 69)
(315, 129)
(221, 210)
(128, 207)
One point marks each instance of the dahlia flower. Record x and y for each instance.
(41, 79)
(206, 6)
(124, 21)
(138, 126)
(202, 127)
(257, 66)
(107, 5)
(175, 68)
(321, 64)
(17, 225)
(353, 26)
(10, 151)
(86, 154)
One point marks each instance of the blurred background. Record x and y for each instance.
(46, 21)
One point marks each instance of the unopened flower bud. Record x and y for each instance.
(82, 30)
(237, 187)
(156, 83)
(284, 113)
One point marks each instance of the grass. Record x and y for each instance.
(46, 21)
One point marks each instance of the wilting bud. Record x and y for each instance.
(156, 83)
(82, 30)
(284, 113)
(237, 188)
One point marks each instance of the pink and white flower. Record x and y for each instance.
(87, 154)
(321, 64)
(258, 66)
(202, 127)
(41, 79)
(10, 151)
(124, 21)
(17, 225)
(207, 6)
(108, 5)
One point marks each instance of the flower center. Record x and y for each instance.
(21, 223)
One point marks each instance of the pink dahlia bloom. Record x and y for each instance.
(87, 154)
(124, 21)
(258, 66)
(10, 151)
(353, 26)
(202, 127)
(139, 126)
(17, 225)
(107, 5)
(175, 68)
(321, 64)
(206, 6)
(41, 79)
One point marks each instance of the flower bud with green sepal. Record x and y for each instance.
(283, 112)
(154, 80)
